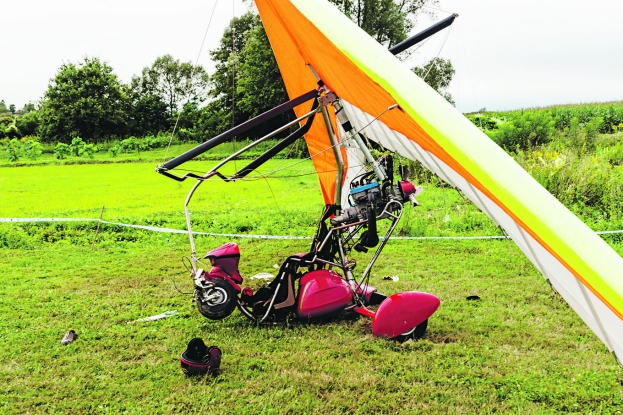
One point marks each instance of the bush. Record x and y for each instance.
(564, 118)
(591, 130)
(13, 150)
(149, 142)
(61, 151)
(81, 149)
(28, 147)
(612, 115)
(32, 149)
(486, 121)
(130, 144)
(524, 130)
(613, 154)
(27, 124)
(573, 133)
(153, 142)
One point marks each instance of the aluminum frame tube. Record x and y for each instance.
(339, 175)
(426, 33)
(277, 148)
(260, 140)
(229, 134)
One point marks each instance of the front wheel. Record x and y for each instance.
(216, 301)
(415, 333)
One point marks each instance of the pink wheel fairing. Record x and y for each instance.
(227, 257)
(402, 312)
(230, 248)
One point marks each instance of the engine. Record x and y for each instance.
(369, 196)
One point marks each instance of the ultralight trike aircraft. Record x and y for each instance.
(359, 92)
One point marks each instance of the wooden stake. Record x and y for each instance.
(98, 228)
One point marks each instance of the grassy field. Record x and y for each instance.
(134, 193)
(519, 349)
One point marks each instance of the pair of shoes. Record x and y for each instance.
(69, 337)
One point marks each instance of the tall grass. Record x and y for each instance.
(562, 115)
(574, 151)
(584, 183)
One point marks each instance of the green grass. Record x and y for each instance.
(519, 349)
(134, 193)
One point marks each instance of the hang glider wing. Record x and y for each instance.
(369, 79)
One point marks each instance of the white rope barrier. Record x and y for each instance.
(242, 235)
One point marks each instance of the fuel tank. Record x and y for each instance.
(321, 293)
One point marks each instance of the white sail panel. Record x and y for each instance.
(606, 325)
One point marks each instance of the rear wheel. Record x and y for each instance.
(217, 301)
(416, 332)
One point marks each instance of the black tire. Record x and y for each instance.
(416, 333)
(218, 301)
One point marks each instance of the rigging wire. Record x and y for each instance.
(415, 48)
(205, 35)
(469, 73)
(438, 53)
(173, 278)
(265, 177)
(439, 10)
(274, 197)
(271, 176)
(412, 50)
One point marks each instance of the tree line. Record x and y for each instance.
(88, 100)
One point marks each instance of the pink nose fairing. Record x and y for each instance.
(403, 311)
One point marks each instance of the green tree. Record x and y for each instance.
(83, 100)
(8, 128)
(251, 71)
(438, 74)
(173, 82)
(27, 108)
(227, 61)
(3, 108)
(147, 114)
(27, 124)
(247, 81)
(388, 21)
(260, 86)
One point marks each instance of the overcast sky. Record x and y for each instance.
(507, 54)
